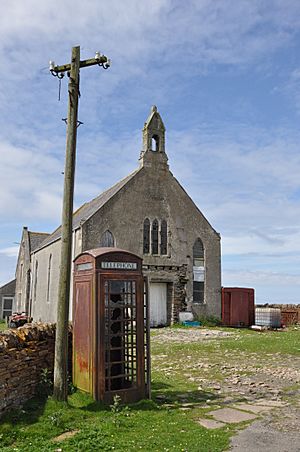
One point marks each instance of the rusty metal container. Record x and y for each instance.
(238, 306)
(290, 316)
(110, 326)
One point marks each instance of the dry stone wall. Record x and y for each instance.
(24, 353)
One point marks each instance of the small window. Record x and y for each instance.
(146, 240)
(164, 238)
(154, 237)
(107, 240)
(7, 306)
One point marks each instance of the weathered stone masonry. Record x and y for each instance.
(24, 353)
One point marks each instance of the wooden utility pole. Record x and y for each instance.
(60, 390)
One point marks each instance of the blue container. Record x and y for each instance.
(193, 323)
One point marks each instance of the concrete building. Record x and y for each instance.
(30, 241)
(150, 214)
(7, 299)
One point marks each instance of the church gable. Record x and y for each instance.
(149, 214)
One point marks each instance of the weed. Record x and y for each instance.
(209, 320)
(57, 419)
(115, 406)
(119, 412)
(3, 325)
(45, 386)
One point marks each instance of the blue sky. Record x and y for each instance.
(225, 76)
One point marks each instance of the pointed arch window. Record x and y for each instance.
(107, 239)
(146, 238)
(198, 271)
(35, 280)
(49, 277)
(155, 143)
(163, 238)
(154, 237)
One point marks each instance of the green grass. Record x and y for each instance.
(162, 424)
(143, 426)
(3, 325)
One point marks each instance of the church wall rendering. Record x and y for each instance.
(149, 214)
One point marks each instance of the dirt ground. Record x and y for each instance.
(254, 379)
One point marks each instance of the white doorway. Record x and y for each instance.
(158, 304)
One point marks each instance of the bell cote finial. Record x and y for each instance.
(153, 152)
(154, 132)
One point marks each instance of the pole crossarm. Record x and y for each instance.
(84, 63)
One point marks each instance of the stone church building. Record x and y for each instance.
(150, 214)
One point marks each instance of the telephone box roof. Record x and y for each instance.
(96, 252)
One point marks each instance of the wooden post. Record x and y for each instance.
(60, 390)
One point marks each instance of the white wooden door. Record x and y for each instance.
(158, 304)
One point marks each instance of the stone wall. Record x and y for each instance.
(24, 353)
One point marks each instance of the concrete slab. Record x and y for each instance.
(231, 416)
(210, 423)
(271, 403)
(252, 408)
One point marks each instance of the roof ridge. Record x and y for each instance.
(41, 233)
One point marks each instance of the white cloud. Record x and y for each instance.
(257, 278)
(11, 251)
(29, 182)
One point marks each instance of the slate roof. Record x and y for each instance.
(8, 288)
(35, 239)
(88, 209)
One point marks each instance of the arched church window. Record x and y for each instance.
(198, 271)
(107, 239)
(155, 143)
(35, 280)
(49, 277)
(146, 239)
(164, 238)
(154, 237)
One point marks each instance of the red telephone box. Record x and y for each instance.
(110, 326)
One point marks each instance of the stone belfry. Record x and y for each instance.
(153, 152)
